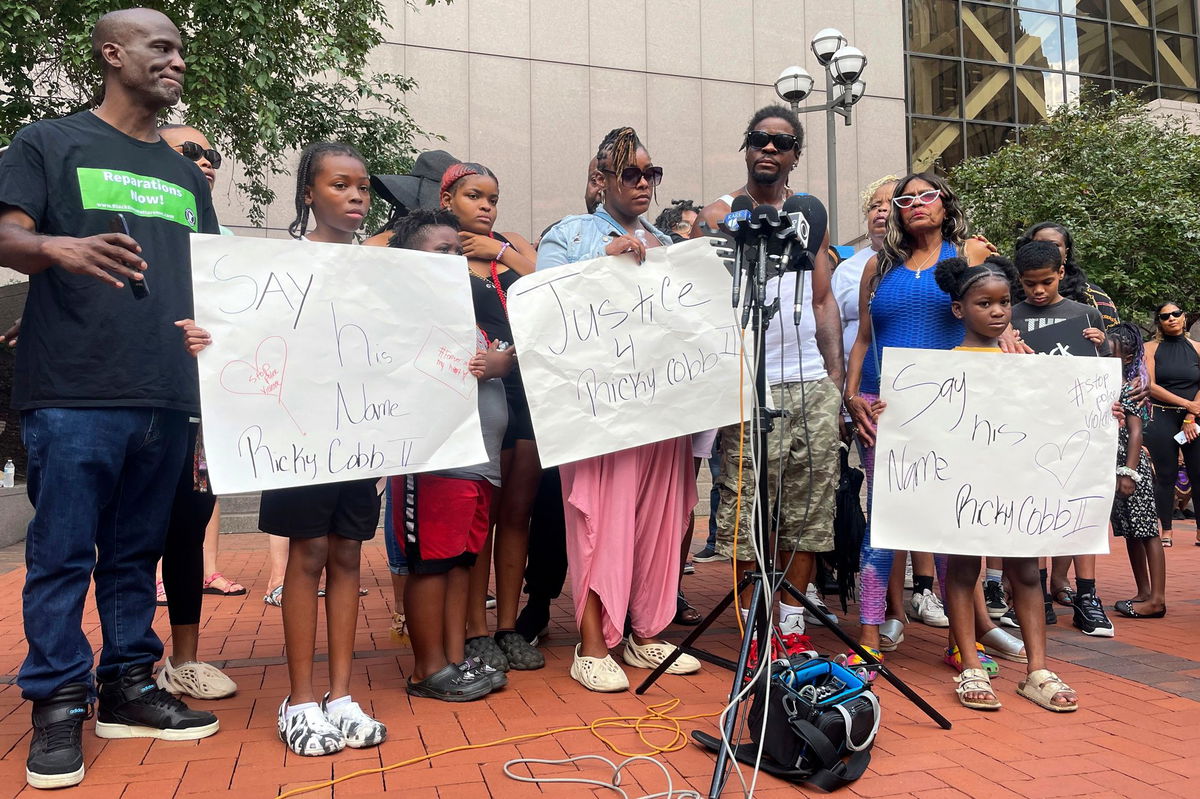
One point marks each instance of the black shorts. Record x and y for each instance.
(349, 510)
(520, 423)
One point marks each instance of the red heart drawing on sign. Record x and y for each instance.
(264, 377)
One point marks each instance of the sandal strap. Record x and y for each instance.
(973, 681)
(1050, 678)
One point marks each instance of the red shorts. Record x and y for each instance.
(441, 522)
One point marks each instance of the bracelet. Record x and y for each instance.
(503, 247)
(1189, 420)
(1125, 471)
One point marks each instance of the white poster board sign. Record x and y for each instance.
(332, 362)
(614, 354)
(990, 454)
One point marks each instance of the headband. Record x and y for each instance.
(456, 173)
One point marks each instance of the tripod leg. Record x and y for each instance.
(721, 770)
(896, 682)
(696, 632)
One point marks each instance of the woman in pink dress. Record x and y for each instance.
(626, 511)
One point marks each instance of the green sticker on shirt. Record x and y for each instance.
(126, 192)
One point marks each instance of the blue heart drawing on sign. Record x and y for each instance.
(1064, 460)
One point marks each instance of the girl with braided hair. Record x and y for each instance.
(1134, 515)
(324, 525)
(625, 511)
(471, 193)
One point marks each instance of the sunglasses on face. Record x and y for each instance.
(1165, 315)
(758, 139)
(909, 200)
(630, 176)
(194, 151)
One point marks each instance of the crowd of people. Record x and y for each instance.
(99, 202)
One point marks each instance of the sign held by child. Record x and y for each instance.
(987, 454)
(625, 354)
(331, 363)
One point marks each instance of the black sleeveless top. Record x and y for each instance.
(1177, 367)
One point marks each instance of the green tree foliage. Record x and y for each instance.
(265, 77)
(1123, 182)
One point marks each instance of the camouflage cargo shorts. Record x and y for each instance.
(797, 532)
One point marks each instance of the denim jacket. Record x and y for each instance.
(583, 237)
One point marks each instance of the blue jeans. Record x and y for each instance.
(714, 494)
(101, 481)
(397, 562)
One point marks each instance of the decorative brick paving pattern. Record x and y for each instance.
(1136, 735)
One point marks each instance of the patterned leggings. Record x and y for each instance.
(876, 564)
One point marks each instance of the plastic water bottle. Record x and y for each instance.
(10, 474)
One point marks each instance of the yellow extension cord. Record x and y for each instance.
(656, 718)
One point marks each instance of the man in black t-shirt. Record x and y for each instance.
(104, 387)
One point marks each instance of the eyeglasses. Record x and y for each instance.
(194, 151)
(1165, 315)
(681, 226)
(909, 200)
(758, 139)
(631, 176)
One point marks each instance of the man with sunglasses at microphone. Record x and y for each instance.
(805, 371)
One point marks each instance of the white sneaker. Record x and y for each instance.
(651, 655)
(308, 732)
(598, 674)
(814, 596)
(357, 728)
(928, 609)
(197, 680)
(792, 624)
(908, 577)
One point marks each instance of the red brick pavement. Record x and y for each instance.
(1136, 736)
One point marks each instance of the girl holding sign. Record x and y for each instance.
(626, 511)
(325, 524)
(982, 298)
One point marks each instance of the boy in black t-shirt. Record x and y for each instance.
(1039, 265)
(1040, 269)
(104, 389)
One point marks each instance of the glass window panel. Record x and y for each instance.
(1168, 93)
(987, 33)
(933, 27)
(1085, 45)
(1144, 91)
(936, 145)
(1039, 40)
(1086, 8)
(989, 93)
(1038, 95)
(934, 88)
(1078, 84)
(987, 139)
(1177, 59)
(1176, 15)
(1132, 52)
(1136, 12)
(1040, 5)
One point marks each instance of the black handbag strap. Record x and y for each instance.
(832, 773)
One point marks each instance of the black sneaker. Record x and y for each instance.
(1090, 617)
(521, 654)
(993, 595)
(56, 751)
(708, 555)
(134, 707)
(1051, 616)
(1009, 619)
(481, 670)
